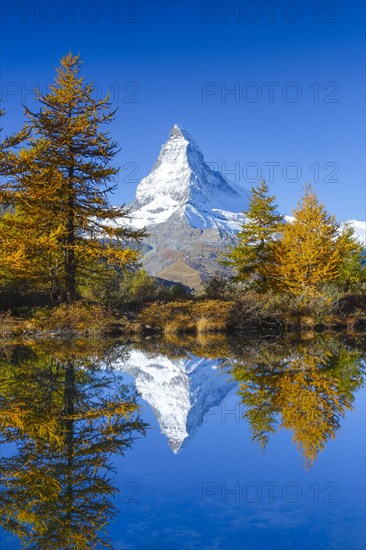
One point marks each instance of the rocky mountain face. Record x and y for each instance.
(191, 212)
(181, 392)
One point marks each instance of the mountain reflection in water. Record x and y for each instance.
(67, 411)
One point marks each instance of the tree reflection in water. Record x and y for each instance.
(303, 386)
(65, 412)
(65, 416)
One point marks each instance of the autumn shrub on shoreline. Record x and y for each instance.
(188, 316)
(252, 311)
(246, 312)
(79, 317)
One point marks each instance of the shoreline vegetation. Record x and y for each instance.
(251, 314)
(70, 262)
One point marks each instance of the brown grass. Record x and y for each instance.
(78, 318)
(6, 323)
(189, 316)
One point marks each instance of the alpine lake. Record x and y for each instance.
(212, 442)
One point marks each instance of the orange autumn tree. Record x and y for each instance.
(305, 387)
(11, 255)
(64, 225)
(65, 417)
(7, 144)
(310, 251)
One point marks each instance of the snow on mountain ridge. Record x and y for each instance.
(181, 185)
(179, 391)
(359, 229)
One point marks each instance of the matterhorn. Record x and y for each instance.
(191, 212)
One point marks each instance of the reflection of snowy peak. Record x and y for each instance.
(179, 391)
(208, 389)
(181, 186)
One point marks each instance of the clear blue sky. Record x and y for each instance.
(172, 62)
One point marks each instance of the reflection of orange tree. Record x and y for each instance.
(66, 418)
(305, 388)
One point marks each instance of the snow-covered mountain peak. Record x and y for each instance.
(182, 186)
(170, 176)
(178, 132)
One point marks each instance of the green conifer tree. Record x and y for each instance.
(352, 270)
(251, 257)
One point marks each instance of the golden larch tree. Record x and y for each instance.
(310, 251)
(61, 189)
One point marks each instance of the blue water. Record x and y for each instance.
(222, 491)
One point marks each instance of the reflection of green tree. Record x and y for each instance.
(304, 387)
(66, 417)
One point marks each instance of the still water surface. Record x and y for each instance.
(183, 444)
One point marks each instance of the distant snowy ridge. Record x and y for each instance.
(358, 227)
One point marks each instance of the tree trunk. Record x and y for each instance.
(69, 410)
(70, 267)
